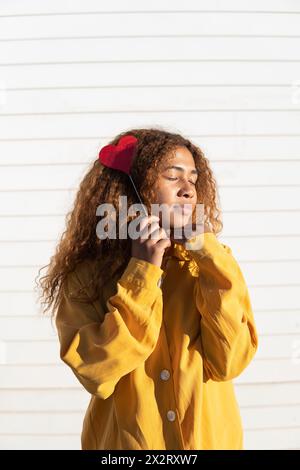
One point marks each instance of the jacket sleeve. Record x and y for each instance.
(101, 347)
(228, 332)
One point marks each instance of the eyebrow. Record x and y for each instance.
(180, 169)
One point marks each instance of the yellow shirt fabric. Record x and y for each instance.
(159, 361)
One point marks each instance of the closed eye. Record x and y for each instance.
(174, 179)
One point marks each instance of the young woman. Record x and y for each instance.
(153, 328)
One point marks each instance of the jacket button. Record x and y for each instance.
(165, 374)
(171, 415)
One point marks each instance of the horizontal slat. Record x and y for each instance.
(281, 346)
(30, 352)
(34, 177)
(117, 6)
(262, 199)
(245, 147)
(272, 439)
(22, 254)
(150, 49)
(47, 352)
(251, 395)
(27, 328)
(259, 439)
(19, 303)
(152, 73)
(151, 99)
(150, 24)
(267, 370)
(216, 148)
(38, 328)
(77, 398)
(209, 122)
(271, 417)
(226, 173)
(47, 228)
(53, 152)
(32, 253)
(53, 376)
(40, 442)
(47, 202)
(30, 228)
(36, 377)
(68, 423)
(44, 400)
(44, 423)
(274, 300)
(265, 223)
(256, 274)
(271, 273)
(232, 199)
(58, 202)
(256, 173)
(277, 299)
(39, 253)
(266, 248)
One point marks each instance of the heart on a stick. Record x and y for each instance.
(120, 156)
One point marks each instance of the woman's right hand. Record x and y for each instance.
(150, 249)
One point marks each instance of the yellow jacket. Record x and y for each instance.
(158, 361)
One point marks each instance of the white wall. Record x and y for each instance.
(73, 74)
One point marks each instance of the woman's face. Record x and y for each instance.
(175, 187)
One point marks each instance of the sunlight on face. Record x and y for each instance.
(175, 186)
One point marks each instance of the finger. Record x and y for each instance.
(144, 221)
(163, 243)
(158, 234)
(148, 230)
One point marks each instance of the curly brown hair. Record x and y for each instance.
(102, 185)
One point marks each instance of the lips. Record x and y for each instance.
(183, 208)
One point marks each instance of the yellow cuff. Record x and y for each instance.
(142, 273)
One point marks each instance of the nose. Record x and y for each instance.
(186, 191)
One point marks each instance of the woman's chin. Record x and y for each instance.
(180, 221)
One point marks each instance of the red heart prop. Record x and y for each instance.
(120, 156)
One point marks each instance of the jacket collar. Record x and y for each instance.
(177, 250)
